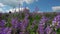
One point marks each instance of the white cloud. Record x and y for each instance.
(17, 9)
(1, 8)
(16, 2)
(12, 3)
(56, 8)
(2, 5)
(28, 1)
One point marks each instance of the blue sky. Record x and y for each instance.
(43, 5)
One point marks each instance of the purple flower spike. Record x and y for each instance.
(41, 25)
(56, 21)
(48, 30)
(14, 23)
(43, 20)
(5, 30)
(25, 22)
(41, 29)
(2, 23)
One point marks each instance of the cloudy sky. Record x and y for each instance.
(43, 5)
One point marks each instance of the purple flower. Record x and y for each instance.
(6, 30)
(43, 20)
(57, 17)
(48, 30)
(41, 29)
(21, 26)
(41, 25)
(56, 21)
(1, 29)
(2, 23)
(26, 16)
(58, 24)
(25, 22)
(14, 22)
(20, 23)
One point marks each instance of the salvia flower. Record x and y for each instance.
(14, 22)
(1, 29)
(41, 25)
(48, 30)
(41, 29)
(26, 16)
(43, 20)
(2, 23)
(56, 21)
(25, 22)
(21, 26)
(6, 30)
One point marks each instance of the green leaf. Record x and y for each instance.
(8, 24)
(58, 31)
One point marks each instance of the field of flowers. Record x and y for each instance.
(30, 23)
